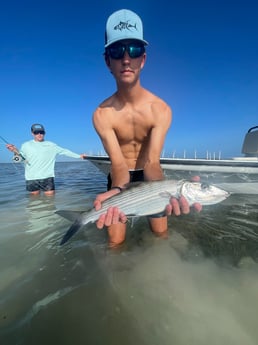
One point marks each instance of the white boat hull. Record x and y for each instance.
(243, 165)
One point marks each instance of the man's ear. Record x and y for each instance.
(107, 60)
(143, 60)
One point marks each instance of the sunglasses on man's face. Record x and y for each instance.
(38, 132)
(117, 51)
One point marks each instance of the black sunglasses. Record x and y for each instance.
(117, 51)
(38, 132)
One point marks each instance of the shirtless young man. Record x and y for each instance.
(132, 125)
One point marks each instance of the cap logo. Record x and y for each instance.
(125, 26)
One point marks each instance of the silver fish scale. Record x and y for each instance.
(152, 197)
(149, 198)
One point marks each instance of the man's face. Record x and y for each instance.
(125, 59)
(38, 135)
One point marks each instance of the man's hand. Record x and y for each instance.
(181, 205)
(11, 148)
(113, 215)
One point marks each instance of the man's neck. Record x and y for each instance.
(129, 94)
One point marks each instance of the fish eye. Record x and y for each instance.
(205, 186)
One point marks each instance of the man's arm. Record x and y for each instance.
(102, 121)
(162, 116)
(119, 169)
(65, 152)
(12, 148)
(16, 152)
(153, 170)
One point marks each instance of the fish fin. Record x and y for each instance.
(70, 215)
(76, 226)
(131, 215)
(134, 220)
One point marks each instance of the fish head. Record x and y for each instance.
(203, 193)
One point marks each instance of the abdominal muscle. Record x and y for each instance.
(134, 155)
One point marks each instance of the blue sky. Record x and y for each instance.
(202, 60)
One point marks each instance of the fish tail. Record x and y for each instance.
(75, 227)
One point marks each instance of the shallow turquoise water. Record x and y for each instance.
(200, 286)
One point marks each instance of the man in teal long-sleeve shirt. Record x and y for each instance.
(40, 158)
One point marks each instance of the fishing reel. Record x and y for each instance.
(17, 158)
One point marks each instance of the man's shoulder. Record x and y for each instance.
(159, 110)
(156, 104)
(28, 143)
(104, 108)
(38, 144)
(48, 142)
(153, 98)
(107, 104)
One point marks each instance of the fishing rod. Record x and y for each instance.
(18, 157)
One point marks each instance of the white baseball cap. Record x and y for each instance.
(123, 24)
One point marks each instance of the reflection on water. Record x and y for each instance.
(200, 286)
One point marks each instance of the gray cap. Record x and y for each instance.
(123, 24)
(37, 127)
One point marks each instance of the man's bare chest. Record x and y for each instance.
(132, 127)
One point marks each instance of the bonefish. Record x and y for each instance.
(148, 198)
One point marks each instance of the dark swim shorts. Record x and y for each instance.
(43, 184)
(136, 176)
